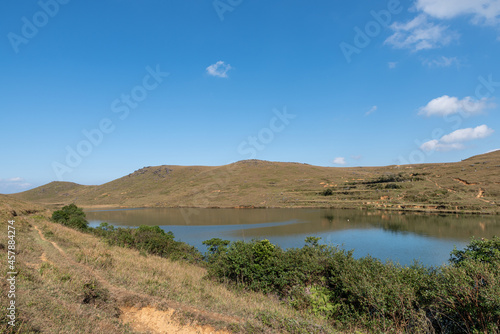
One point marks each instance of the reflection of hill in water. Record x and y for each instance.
(312, 221)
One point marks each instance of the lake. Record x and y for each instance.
(396, 236)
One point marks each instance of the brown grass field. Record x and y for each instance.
(469, 186)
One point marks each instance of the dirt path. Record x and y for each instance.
(147, 319)
(440, 187)
(464, 182)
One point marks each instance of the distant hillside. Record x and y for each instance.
(472, 185)
(11, 207)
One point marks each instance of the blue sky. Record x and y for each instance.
(93, 90)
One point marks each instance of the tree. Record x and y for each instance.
(216, 245)
(72, 216)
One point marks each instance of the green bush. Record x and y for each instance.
(72, 216)
(327, 192)
(463, 297)
(467, 299)
(150, 240)
(486, 251)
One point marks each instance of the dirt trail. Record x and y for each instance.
(149, 319)
(464, 182)
(440, 187)
(146, 319)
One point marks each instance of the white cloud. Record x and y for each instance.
(446, 105)
(462, 135)
(219, 69)
(442, 62)
(13, 185)
(482, 11)
(392, 64)
(371, 111)
(339, 161)
(436, 145)
(420, 34)
(454, 140)
(15, 179)
(356, 157)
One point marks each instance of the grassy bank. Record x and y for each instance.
(74, 282)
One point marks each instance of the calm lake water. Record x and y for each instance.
(393, 236)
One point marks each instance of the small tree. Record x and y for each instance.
(216, 245)
(72, 216)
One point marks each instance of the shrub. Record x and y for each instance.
(150, 240)
(380, 297)
(487, 251)
(327, 192)
(393, 186)
(72, 216)
(467, 298)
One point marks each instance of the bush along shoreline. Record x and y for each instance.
(364, 293)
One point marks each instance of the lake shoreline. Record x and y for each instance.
(400, 208)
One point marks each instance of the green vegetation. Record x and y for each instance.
(327, 192)
(216, 245)
(485, 251)
(328, 282)
(71, 216)
(148, 239)
(400, 177)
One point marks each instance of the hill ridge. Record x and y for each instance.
(260, 183)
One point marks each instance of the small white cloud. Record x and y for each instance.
(436, 145)
(442, 62)
(482, 11)
(454, 140)
(15, 179)
(356, 157)
(446, 105)
(371, 111)
(392, 64)
(219, 69)
(339, 161)
(462, 135)
(420, 34)
(13, 185)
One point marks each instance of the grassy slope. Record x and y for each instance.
(71, 282)
(469, 185)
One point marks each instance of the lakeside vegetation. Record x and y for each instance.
(329, 284)
(72, 281)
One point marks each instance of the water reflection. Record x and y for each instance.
(397, 236)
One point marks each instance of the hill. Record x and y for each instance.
(472, 185)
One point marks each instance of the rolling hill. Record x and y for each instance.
(472, 185)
